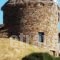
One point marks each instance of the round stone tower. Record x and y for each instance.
(39, 20)
(36, 19)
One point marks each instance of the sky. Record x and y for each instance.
(58, 2)
(2, 2)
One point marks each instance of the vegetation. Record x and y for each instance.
(40, 56)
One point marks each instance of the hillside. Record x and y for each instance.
(17, 50)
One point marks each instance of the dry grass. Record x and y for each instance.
(15, 50)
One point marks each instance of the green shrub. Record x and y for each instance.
(34, 56)
(46, 56)
(57, 58)
(40, 56)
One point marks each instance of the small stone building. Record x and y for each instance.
(36, 19)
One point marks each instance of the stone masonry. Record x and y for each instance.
(33, 17)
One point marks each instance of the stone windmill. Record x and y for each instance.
(37, 19)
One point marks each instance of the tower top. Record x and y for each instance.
(30, 1)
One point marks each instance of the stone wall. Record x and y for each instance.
(3, 32)
(40, 18)
(32, 18)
